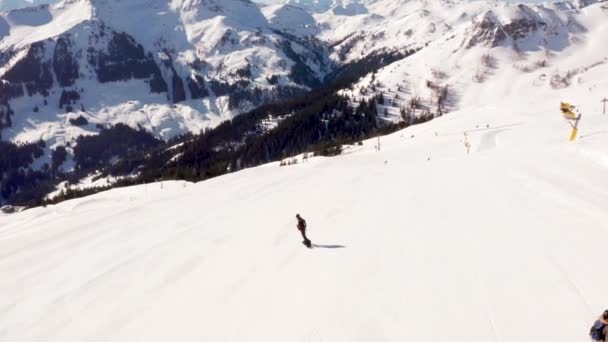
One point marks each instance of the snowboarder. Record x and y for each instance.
(302, 228)
(599, 330)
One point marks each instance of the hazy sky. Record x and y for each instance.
(12, 4)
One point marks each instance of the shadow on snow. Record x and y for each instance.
(327, 246)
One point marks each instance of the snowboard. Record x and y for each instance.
(307, 243)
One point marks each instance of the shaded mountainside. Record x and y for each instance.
(319, 121)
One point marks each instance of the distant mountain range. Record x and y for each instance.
(185, 65)
(73, 68)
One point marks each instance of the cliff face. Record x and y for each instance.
(523, 27)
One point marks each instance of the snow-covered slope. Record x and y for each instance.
(168, 66)
(291, 19)
(503, 52)
(360, 28)
(417, 240)
(400, 24)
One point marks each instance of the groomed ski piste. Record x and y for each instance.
(507, 243)
(419, 241)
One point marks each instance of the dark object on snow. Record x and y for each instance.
(302, 228)
(79, 121)
(8, 209)
(599, 330)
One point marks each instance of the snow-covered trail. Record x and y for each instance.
(507, 243)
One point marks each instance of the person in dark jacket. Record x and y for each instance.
(599, 330)
(302, 228)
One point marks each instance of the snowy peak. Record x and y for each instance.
(491, 51)
(381, 25)
(238, 9)
(523, 28)
(291, 19)
(586, 3)
(487, 30)
(313, 6)
(162, 19)
(34, 24)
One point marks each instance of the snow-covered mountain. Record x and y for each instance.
(399, 24)
(292, 19)
(184, 65)
(169, 66)
(470, 52)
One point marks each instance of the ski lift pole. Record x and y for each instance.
(604, 100)
(574, 127)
